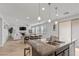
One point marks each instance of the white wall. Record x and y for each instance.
(0, 31)
(3, 32)
(65, 31)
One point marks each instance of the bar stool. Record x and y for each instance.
(27, 51)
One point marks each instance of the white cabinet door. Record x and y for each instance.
(0, 32)
(65, 31)
(75, 32)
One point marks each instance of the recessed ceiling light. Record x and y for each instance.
(27, 17)
(49, 20)
(57, 14)
(16, 20)
(43, 9)
(39, 18)
(56, 22)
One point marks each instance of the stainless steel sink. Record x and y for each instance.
(56, 43)
(59, 41)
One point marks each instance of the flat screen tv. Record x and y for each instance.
(22, 28)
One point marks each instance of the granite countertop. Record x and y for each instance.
(45, 49)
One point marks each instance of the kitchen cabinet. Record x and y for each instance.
(72, 49)
(68, 50)
(64, 51)
(65, 31)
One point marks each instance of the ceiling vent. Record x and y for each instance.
(66, 13)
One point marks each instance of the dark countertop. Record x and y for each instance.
(45, 49)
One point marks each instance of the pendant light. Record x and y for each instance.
(39, 18)
(43, 9)
(56, 22)
(56, 8)
(49, 20)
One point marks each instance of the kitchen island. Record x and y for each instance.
(40, 48)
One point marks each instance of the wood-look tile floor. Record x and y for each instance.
(16, 48)
(13, 48)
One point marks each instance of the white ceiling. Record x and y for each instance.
(19, 11)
